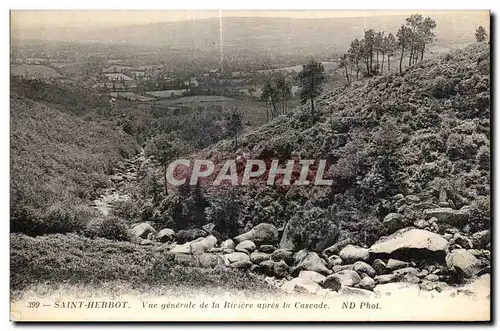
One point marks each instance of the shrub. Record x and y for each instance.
(113, 228)
(128, 210)
(480, 214)
(483, 158)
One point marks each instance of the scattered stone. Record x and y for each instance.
(229, 244)
(398, 196)
(236, 257)
(427, 285)
(448, 236)
(256, 268)
(246, 246)
(383, 279)
(165, 235)
(338, 268)
(422, 273)
(462, 263)
(312, 262)
(448, 216)
(202, 246)
(351, 254)
(263, 233)
(481, 239)
(243, 264)
(282, 254)
(367, 283)
(336, 248)
(345, 278)
(394, 264)
(412, 279)
(258, 257)
(181, 249)
(208, 227)
(412, 199)
(147, 242)
(281, 269)
(405, 271)
(334, 260)
(462, 241)
(300, 285)
(312, 275)
(394, 222)
(267, 267)
(142, 230)
(184, 236)
(363, 267)
(210, 260)
(379, 266)
(267, 249)
(432, 278)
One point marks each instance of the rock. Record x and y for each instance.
(337, 247)
(263, 233)
(210, 260)
(147, 242)
(367, 283)
(116, 178)
(351, 254)
(398, 196)
(481, 239)
(243, 264)
(462, 263)
(312, 262)
(422, 273)
(345, 278)
(190, 235)
(281, 269)
(142, 230)
(208, 227)
(421, 224)
(394, 264)
(181, 249)
(405, 271)
(267, 267)
(338, 268)
(432, 278)
(363, 267)
(165, 235)
(282, 254)
(258, 257)
(412, 279)
(300, 285)
(202, 246)
(312, 275)
(447, 236)
(246, 246)
(237, 257)
(267, 249)
(379, 266)
(394, 222)
(383, 279)
(333, 261)
(256, 268)
(408, 242)
(448, 216)
(299, 256)
(399, 289)
(462, 241)
(346, 291)
(412, 199)
(426, 285)
(227, 244)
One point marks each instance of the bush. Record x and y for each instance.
(113, 228)
(480, 214)
(128, 210)
(483, 158)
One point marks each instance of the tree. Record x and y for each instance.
(344, 63)
(283, 90)
(354, 53)
(427, 33)
(379, 47)
(235, 124)
(369, 46)
(164, 149)
(481, 34)
(403, 42)
(390, 47)
(267, 91)
(414, 23)
(312, 78)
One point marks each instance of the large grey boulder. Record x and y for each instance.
(142, 230)
(394, 264)
(246, 246)
(364, 268)
(258, 257)
(448, 216)
(463, 263)
(342, 278)
(165, 235)
(208, 260)
(481, 239)
(181, 249)
(337, 247)
(261, 234)
(301, 285)
(236, 257)
(394, 222)
(202, 246)
(283, 254)
(311, 262)
(367, 283)
(281, 269)
(189, 235)
(227, 244)
(351, 254)
(312, 275)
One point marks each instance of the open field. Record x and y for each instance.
(166, 93)
(34, 71)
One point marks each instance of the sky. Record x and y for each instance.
(106, 18)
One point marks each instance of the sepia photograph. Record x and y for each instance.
(250, 165)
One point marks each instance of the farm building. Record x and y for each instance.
(117, 77)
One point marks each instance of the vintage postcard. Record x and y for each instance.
(223, 165)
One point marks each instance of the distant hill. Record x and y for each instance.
(259, 34)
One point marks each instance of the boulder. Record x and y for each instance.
(189, 235)
(481, 239)
(347, 291)
(267, 249)
(338, 268)
(432, 278)
(379, 266)
(448, 216)
(331, 282)
(267, 267)
(405, 271)
(147, 242)
(410, 243)
(227, 244)
(461, 240)
(333, 261)
(301, 285)
(337, 247)
(351, 254)
(181, 249)
(423, 273)
(165, 235)
(246, 246)
(202, 246)
(281, 269)
(282, 254)
(386, 278)
(462, 263)
(208, 227)
(258, 257)
(394, 264)
(237, 257)
(243, 264)
(412, 199)
(412, 279)
(312, 262)
(342, 278)
(312, 275)
(142, 230)
(394, 222)
(210, 260)
(263, 233)
(367, 283)
(299, 256)
(364, 268)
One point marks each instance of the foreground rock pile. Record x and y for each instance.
(410, 259)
